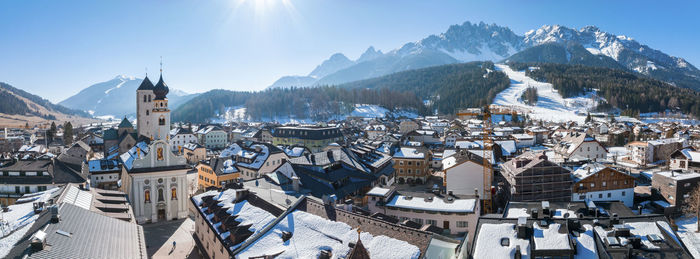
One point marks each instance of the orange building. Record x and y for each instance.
(216, 172)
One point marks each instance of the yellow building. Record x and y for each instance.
(216, 172)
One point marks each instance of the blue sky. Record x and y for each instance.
(56, 48)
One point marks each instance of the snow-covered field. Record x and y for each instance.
(369, 111)
(550, 106)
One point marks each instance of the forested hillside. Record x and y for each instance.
(11, 103)
(629, 92)
(445, 88)
(205, 106)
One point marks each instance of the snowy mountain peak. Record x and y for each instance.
(336, 62)
(369, 54)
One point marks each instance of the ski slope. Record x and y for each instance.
(550, 106)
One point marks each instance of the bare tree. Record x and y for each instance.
(692, 205)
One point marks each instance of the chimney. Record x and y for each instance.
(55, 217)
(38, 241)
(295, 183)
(615, 219)
(518, 253)
(522, 228)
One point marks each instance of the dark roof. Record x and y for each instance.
(125, 124)
(110, 134)
(146, 84)
(91, 236)
(307, 133)
(161, 89)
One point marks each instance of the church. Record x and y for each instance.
(153, 176)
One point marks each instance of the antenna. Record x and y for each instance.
(146, 71)
(161, 64)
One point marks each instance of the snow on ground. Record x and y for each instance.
(686, 231)
(369, 111)
(550, 106)
(19, 219)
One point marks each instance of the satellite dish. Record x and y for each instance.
(288, 201)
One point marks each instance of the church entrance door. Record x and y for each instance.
(161, 214)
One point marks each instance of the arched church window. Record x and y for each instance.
(147, 196)
(173, 195)
(147, 112)
(149, 98)
(144, 98)
(160, 153)
(160, 195)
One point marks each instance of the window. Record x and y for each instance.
(419, 221)
(161, 121)
(160, 195)
(17, 190)
(686, 185)
(22, 173)
(623, 193)
(580, 185)
(26, 189)
(600, 196)
(173, 195)
(462, 224)
(147, 196)
(409, 171)
(147, 112)
(144, 98)
(418, 163)
(149, 98)
(605, 184)
(160, 153)
(417, 171)
(592, 185)
(609, 195)
(431, 222)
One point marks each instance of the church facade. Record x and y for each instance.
(153, 176)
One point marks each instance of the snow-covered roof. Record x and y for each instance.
(586, 171)
(691, 155)
(310, 233)
(488, 242)
(408, 152)
(679, 176)
(549, 238)
(434, 204)
(378, 191)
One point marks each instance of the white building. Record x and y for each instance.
(155, 180)
(457, 214)
(464, 174)
(153, 115)
(579, 146)
(180, 137)
(153, 177)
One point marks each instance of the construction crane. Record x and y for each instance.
(485, 114)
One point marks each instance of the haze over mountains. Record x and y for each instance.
(478, 42)
(116, 97)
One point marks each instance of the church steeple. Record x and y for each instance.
(146, 84)
(161, 89)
